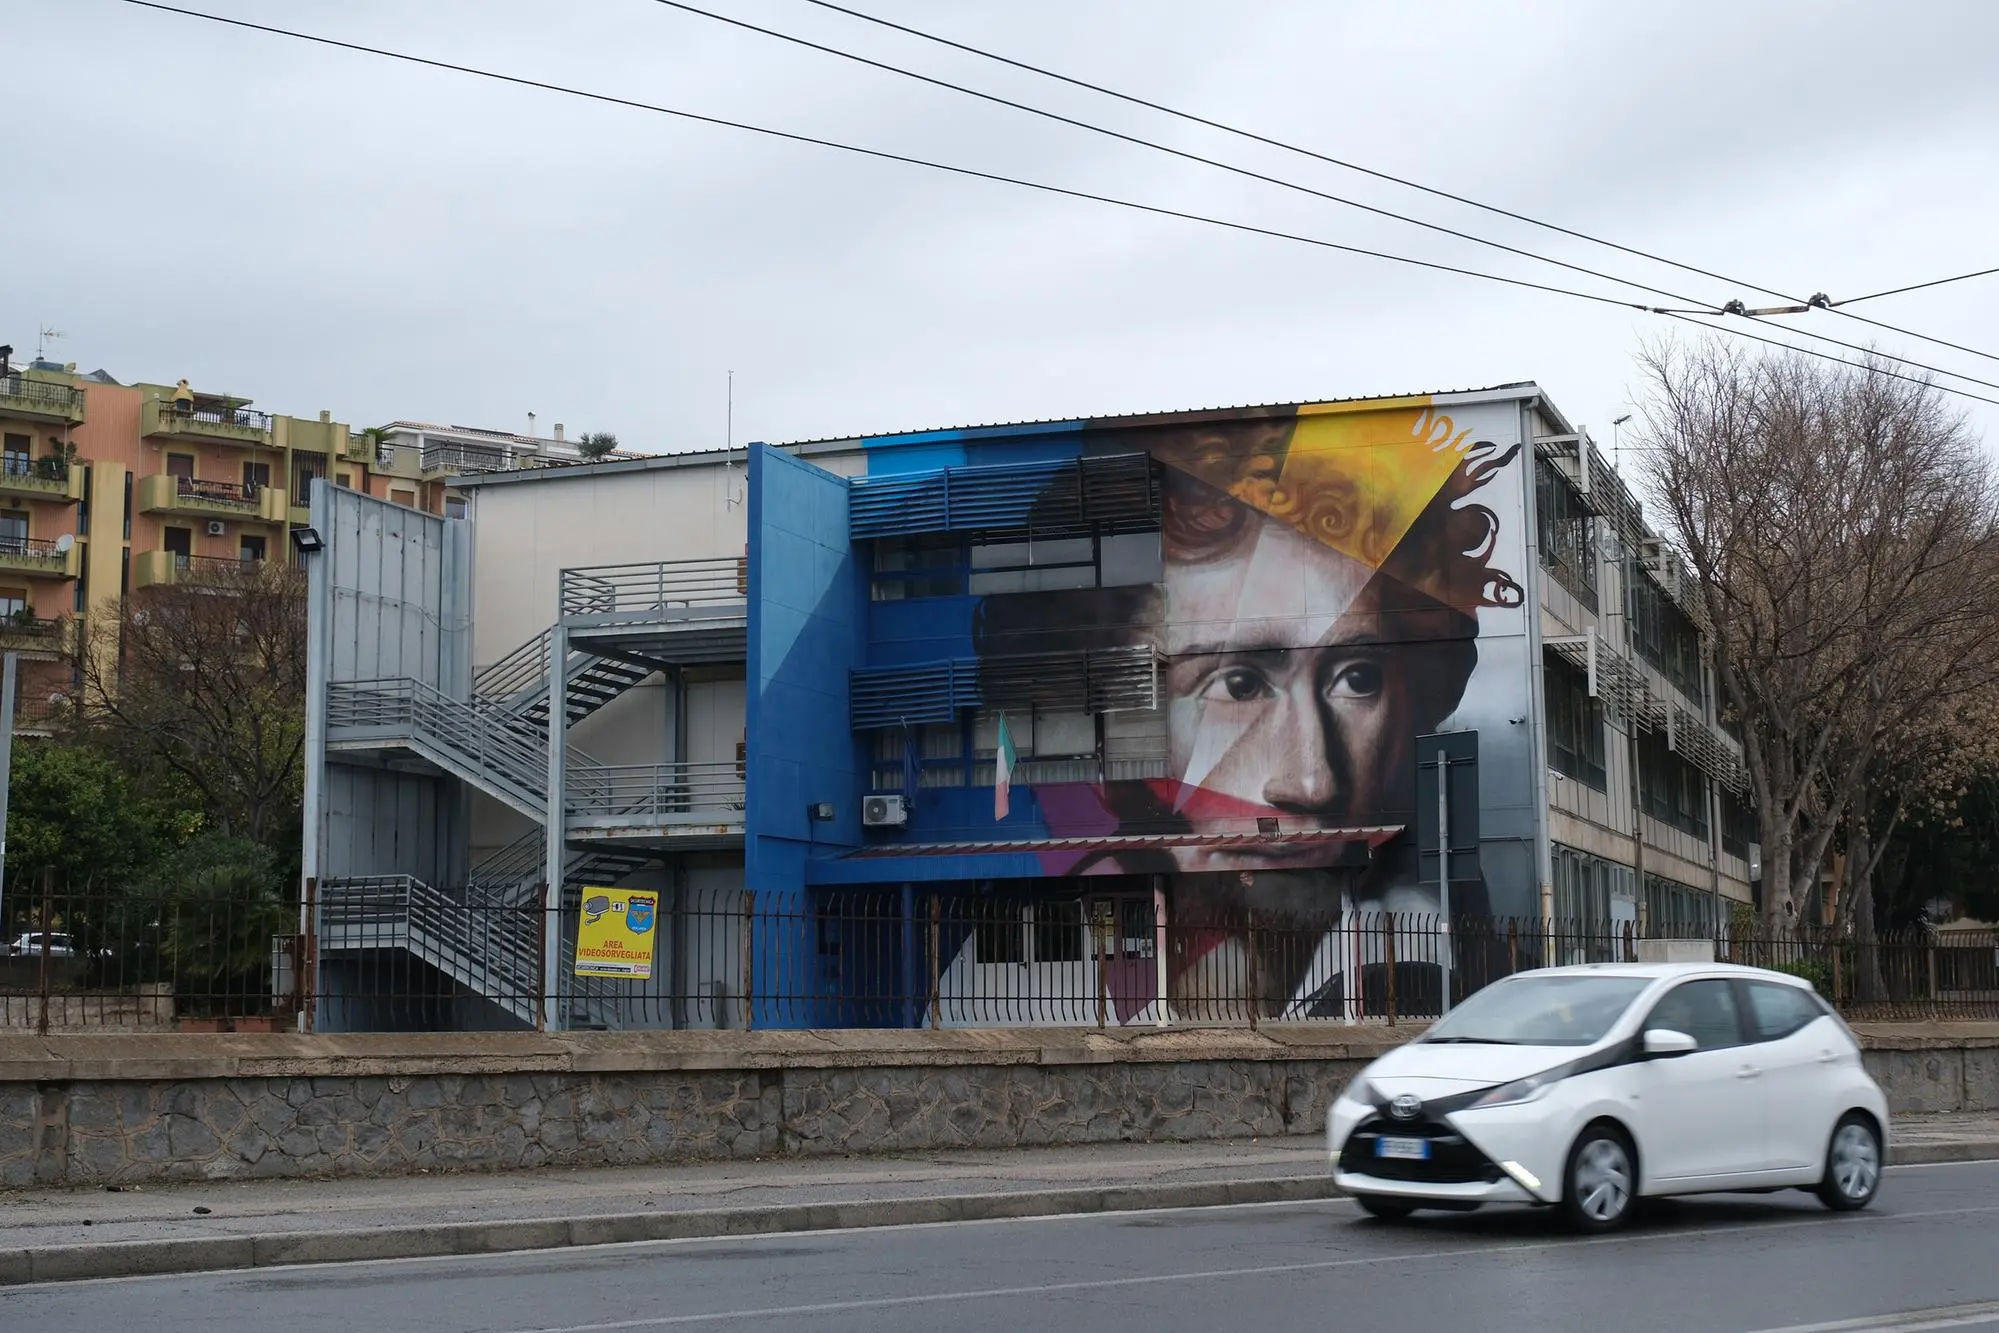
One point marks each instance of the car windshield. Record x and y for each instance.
(1540, 1011)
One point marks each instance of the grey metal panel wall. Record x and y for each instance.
(392, 600)
(400, 583)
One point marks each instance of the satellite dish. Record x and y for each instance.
(64, 543)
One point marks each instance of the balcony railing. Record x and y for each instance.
(163, 493)
(38, 555)
(218, 492)
(21, 396)
(232, 425)
(27, 633)
(467, 458)
(40, 478)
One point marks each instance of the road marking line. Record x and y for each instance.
(1910, 1321)
(1266, 1270)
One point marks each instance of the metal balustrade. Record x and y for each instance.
(634, 591)
(649, 793)
(476, 740)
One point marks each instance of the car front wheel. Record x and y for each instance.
(1388, 1210)
(1852, 1165)
(1602, 1181)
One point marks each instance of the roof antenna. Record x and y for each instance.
(41, 344)
(731, 497)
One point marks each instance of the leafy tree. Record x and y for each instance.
(74, 814)
(597, 445)
(205, 687)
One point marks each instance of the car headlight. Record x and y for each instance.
(1515, 1093)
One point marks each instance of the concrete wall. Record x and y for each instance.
(527, 530)
(99, 1110)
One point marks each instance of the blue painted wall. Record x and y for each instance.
(807, 631)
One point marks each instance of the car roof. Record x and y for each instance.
(1668, 971)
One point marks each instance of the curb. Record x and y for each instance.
(147, 1258)
(142, 1258)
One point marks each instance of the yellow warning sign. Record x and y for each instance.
(615, 937)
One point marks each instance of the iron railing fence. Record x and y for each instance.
(396, 953)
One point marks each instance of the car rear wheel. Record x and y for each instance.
(1388, 1210)
(1852, 1165)
(1602, 1181)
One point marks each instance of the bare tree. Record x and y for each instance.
(1841, 525)
(206, 679)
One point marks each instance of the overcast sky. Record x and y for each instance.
(320, 229)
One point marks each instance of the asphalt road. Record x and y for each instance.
(1926, 1257)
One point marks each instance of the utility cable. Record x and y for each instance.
(1406, 183)
(974, 173)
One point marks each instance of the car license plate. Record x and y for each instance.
(1407, 1150)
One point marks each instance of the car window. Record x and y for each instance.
(1704, 1010)
(1779, 1010)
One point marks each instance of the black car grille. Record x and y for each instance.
(1452, 1159)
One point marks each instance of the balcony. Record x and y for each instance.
(40, 479)
(204, 423)
(40, 400)
(39, 558)
(41, 640)
(168, 494)
(168, 569)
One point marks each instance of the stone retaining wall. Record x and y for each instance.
(126, 1110)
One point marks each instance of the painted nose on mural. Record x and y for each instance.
(1302, 777)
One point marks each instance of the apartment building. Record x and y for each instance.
(1222, 647)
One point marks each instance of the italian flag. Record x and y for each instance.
(1003, 763)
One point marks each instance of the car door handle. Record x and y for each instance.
(1749, 1071)
(1828, 1057)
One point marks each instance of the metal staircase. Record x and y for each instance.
(473, 740)
(490, 949)
(518, 683)
(621, 624)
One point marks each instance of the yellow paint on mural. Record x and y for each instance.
(1357, 481)
(616, 935)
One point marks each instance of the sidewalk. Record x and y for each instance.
(184, 1228)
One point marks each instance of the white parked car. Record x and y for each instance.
(1588, 1088)
(58, 945)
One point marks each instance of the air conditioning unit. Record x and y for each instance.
(216, 527)
(884, 812)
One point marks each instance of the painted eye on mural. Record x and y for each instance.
(1238, 685)
(1355, 680)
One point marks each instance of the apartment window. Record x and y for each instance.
(1670, 789)
(81, 602)
(1665, 637)
(937, 749)
(251, 549)
(1586, 886)
(128, 507)
(454, 506)
(1564, 530)
(345, 481)
(180, 465)
(1674, 908)
(17, 455)
(256, 476)
(404, 498)
(1738, 825)
(947, 566)
(179, 543)
(124, 571)
(83, 506)
(14, 603)
(306, 469)
(929, 566)
(1575, 725)
(13, 532)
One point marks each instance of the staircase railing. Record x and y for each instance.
(522, 670)
(649, 792)
(630, 590)
(493, 949)
(477, 731)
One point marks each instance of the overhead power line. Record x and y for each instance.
(1917, 286)
(1403, 181)
(976, 174)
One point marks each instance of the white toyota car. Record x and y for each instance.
(1588, 1088)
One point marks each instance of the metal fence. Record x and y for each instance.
(394, 953)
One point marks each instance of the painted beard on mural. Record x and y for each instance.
(1318, 611)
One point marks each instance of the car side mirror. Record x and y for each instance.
(1664, 1044)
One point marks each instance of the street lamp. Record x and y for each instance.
(1617, 443)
